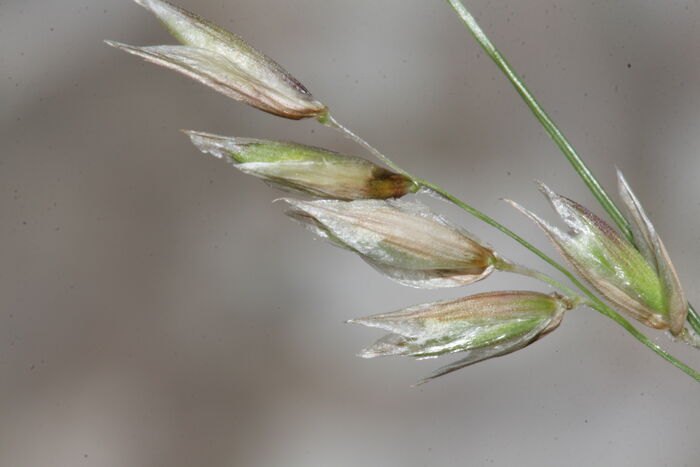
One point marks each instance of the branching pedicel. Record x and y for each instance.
(359, 211)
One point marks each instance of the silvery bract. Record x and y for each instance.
(306, 169)
(485, 325)
(226, 63)
(644, 285)
(405, 241)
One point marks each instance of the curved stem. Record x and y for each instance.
(507, 266)
(597, 305)
(612, 314)
(328, 120)
(492, 222)
(332, 123)
(554, 132)
(591, 299)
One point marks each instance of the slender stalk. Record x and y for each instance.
(507, 266)
(554, 132)
(590, 300)
(328, 120)
(612, 314)
(333, 123)
(575, 299)
(492, 222)
(549, 126)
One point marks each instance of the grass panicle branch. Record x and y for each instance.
(554, 132)
(359, 211)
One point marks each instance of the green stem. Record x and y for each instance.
(507, 266)
(549, 126)
(591, 300)
(497, 225)
(612, 314)
(554, 132)
(328, 120)
(333, 123)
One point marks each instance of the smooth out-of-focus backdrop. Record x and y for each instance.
(157, 309)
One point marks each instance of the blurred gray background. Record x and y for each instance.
(156, 309)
